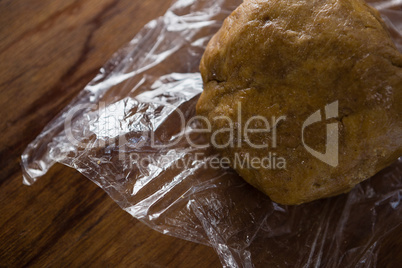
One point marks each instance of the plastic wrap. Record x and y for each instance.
(125, 133)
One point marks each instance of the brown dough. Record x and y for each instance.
(292, 58)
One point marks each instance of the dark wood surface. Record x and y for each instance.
(49, 50)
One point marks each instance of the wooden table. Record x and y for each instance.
(49, 50)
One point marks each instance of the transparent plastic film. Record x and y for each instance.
(132, 132)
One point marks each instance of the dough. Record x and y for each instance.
(329, 71)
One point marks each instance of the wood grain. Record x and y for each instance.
(49, 50)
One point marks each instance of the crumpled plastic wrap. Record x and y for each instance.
(124, 133)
